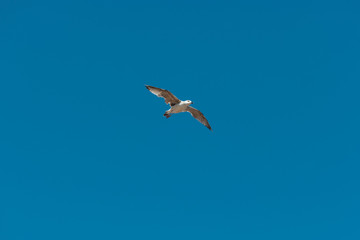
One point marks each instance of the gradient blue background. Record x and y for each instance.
(86, 153)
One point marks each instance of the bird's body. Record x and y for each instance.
(178, 106)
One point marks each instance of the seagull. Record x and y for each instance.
(178, 106)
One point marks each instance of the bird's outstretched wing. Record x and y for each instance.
(199, 116)
(167, 95)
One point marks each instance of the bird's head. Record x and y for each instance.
(189, 102)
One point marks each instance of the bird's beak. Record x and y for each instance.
(192, 102)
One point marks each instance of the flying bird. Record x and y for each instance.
(178, 106)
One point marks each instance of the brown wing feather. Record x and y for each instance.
(199, 116)
(167, 95)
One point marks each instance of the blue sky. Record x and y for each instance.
(86, 153)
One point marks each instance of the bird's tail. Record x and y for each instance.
(167, 114)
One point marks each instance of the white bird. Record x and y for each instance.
(178, 106)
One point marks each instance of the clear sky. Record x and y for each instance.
(85, 152)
